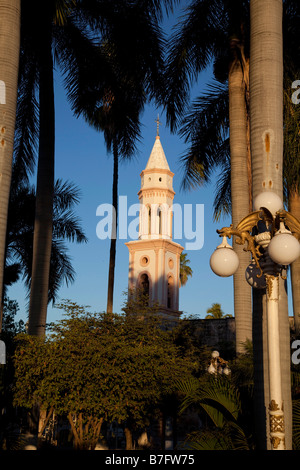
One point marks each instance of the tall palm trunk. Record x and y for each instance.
(45, 187)
(294, 208)
(113, 240)
(266, 119)
(239, 198)
(9, 63)
(128, 438)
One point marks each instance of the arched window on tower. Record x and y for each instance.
(170, 298)
(159, 215)
(149, 220)
(144, 284)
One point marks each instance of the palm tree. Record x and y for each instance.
(64, 30)
(216, 32)
(71, 30)
(206, 128)
(217, 101)
(220, 401)
(36, 73)
(185, 270)
(135, 76)
(116, 113)
(215, 312)
(116, 137)
(266, 118)
(9, 59)
(19, 241)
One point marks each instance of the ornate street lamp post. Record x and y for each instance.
(218, 365)
(272, 235)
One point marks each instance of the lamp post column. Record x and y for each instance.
(276, 414)
(274, 246)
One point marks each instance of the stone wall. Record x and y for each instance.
(215, 332)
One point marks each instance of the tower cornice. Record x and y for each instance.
(156, 191)
(141, 245)
(156, 170)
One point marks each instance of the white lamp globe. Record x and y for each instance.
(269, 200)
(215, 354)
(224, 261)
(211, 369)
(284, 248)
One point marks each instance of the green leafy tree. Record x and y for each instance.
(98, 367)
(9, 436)
(187, 336)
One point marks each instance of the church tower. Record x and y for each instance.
(154, 259)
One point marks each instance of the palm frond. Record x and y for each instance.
(156, 8)
(205, 130)
(218, 397)
(207, 440)
(61, 269)
(63, 9)
(210, 110)
(66, 195)
(84, 67)
(67, 226)
(222, 201)
(231, 437)
(296, 424)
(26, 129)
(191, 49)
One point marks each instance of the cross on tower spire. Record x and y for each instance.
(157, 124)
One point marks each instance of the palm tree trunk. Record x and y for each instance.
(294, 207)
(266, 119)
(239, 198)
(9, 63)
(44, 192)
(113, 240)
(128, 438)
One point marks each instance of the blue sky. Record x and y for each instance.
(81, 157)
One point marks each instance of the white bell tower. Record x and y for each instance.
(154, 259)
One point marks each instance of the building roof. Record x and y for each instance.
(157, 159)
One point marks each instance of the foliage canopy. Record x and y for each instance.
(107, 366)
